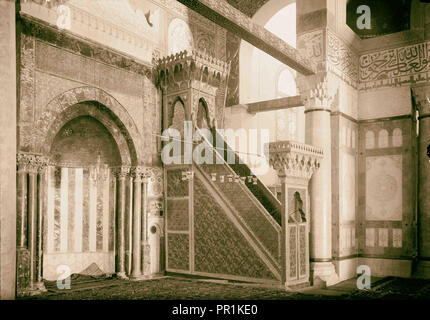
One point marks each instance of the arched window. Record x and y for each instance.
(286, 85)
(262, 77)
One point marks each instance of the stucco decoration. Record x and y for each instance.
(342, 60)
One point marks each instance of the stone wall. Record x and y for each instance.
(53, 64)
(7, 149)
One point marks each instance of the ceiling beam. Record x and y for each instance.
(233, 20)
(275, 104)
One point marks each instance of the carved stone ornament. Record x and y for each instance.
(121, 172)
(31, 163)
(145, 174)
(293, 159)
(317, 91)
(178, 71)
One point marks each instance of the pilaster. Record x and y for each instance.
(421, 97)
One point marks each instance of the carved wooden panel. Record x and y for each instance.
(293, 250)
(176, 187)
(177, 215)
(219, 246)
(178, 248)
(303, 262)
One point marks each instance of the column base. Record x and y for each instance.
(141, 277)
(40, 286)
(34, 290)
(121, 275)
(422, 270)
(323, 274)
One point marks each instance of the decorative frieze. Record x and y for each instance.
(128, 29)
(43, 31)
(342, 60)
(311, 45)
(395, 67)
(293, 159)
(407, 65)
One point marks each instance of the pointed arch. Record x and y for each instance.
(98, 104)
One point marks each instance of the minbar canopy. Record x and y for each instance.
(228, 17)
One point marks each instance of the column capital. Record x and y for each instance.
(121, 172)
(317, 91)
(421, 96)
(294, 160)
(32, 163)
(141, 173)
(145, 173)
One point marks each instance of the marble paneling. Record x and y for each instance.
(384, 188)
(387, 267)
(347, 190)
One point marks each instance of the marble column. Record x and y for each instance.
(32, 215)
(29, 229)
(145, 244)
(422, 101)
(122, 173)
(21, 199)
(317, 96)
(136, 272)
(42, 207)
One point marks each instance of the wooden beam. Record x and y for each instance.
(228, 17)
(275, 104)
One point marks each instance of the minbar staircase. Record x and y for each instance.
(255, 206)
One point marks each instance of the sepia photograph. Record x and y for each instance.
(214, 158)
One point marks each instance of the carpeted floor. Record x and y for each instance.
(169, 288)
